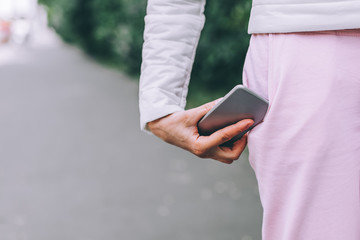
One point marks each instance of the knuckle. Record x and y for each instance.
(232, 156)
(235, 156)
(199, 150)
(199, 153)
(186, 118)
(225, 136)
(237, 153)
(208, 107)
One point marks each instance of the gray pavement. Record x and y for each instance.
(75, 166)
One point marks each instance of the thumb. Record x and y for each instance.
(226, 134)
(200, 111)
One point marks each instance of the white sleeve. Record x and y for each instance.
(172, 32)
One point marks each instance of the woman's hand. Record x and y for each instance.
(180, 129)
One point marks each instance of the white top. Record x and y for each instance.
(172, 31)
(276, 16)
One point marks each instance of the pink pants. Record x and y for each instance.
(306, 153)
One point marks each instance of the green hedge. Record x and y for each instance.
(112, 31)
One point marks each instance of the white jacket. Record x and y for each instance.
(275, 16)
(172, 31)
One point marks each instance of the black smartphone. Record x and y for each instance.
(240, 103)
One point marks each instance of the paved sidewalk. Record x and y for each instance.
(74, 165)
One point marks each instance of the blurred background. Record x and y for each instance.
(74, 164)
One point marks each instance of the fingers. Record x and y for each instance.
(223, 135)
(198, 112)
(210, 146)
(228, 155)
(239, 145)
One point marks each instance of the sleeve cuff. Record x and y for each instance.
(148, 115)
